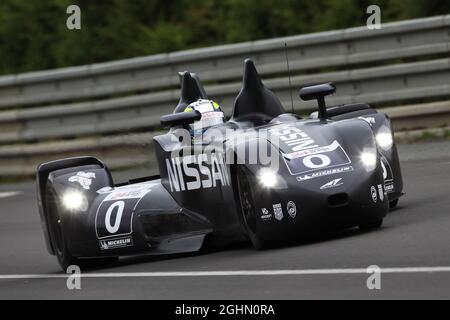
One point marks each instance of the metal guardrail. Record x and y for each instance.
(404, 61)
(341, 48)
(117, 151)
(120, 151)
(373, 85)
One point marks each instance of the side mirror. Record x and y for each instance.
(181, 118)
(318, 92)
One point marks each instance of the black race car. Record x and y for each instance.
(263, 175)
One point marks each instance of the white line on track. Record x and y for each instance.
(306, 272)
(9, 194)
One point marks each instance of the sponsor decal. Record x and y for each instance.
(373, 192)
(114, 217)
(116, 243)
(389, 188)
(370, 120)
(278, 211)
(83, 178)
(126, 194)
(105, 190)
(304, 157)
(313, 151)
(315, 159)
(266, 215)
(292, 209)
(381, 192)
(325, 173)
(127, 188)
(332, 184)
(387, 175)
(196, 172)
(294, 138)
(202, 105)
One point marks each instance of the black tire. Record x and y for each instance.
(249, 218)
(393, 204)
(371, 226)
(59, 241)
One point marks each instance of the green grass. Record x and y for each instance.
(14, 180)
(432, 136)
(447, 134)
(429, 136)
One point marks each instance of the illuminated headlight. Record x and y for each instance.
(74, 201)
(268, 178)
(384, 138)
(369, 160)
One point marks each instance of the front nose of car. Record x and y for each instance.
(338, 200)
(344, 200)
(334, 201)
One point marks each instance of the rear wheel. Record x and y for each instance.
(393, 204)
(371, 226)
(248, 210)
(59, 241)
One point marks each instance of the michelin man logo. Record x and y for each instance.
(84, 179)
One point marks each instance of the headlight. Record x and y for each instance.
(369, 160)
(384, 138)
(268, 178)
(74, 201)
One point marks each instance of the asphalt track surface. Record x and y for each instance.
(417, 234)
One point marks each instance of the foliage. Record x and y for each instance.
(33, 34)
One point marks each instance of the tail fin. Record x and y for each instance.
(191, 90)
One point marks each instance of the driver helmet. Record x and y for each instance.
(212, 116)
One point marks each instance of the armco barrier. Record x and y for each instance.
(130, 150)
(341, 48)
(141, 112)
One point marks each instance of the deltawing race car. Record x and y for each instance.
(264, 175)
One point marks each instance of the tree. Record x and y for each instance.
(33, 34)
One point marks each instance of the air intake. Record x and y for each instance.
(338, 200)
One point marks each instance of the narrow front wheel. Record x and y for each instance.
(250, 221)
